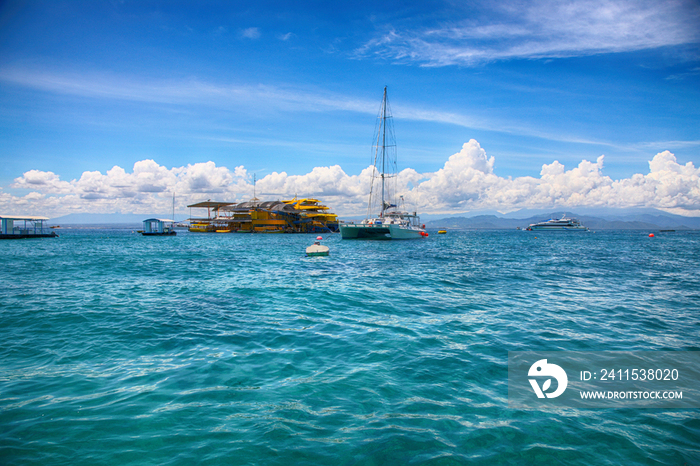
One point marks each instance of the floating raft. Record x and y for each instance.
(158, 227)
(30, 227)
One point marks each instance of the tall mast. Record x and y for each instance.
(383, 147)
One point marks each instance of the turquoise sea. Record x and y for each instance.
(218, 349)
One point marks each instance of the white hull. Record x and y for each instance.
(562, 224)
(550, 228)
(380, 232)
(317, 250)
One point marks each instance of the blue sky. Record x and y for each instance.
(497, 105)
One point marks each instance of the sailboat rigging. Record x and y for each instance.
(392, 222)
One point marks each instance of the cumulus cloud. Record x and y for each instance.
(463, 179)
(42, 181)
(466, 182)
(147, 188)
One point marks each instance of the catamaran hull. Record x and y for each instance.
(379, 232)
(364, 232)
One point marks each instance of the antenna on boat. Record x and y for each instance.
(255, 196)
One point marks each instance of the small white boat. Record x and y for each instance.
(317, 249)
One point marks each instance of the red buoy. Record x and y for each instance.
(651, 235)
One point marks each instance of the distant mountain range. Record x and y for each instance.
(610, 219)
(106, 219)
(621, 221)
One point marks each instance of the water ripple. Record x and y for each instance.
(238, 349)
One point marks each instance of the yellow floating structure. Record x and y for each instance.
(292, 216)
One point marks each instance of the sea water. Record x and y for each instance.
(213, 349)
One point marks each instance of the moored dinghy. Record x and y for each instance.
(317, 249)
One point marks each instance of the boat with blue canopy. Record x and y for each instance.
(22, 226)
(158, 227)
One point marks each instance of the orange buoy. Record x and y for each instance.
(651, 235)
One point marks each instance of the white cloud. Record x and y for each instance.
(251, 33)
(181, 92)
(466, 182)
(546, 29)
(43, 181)
(148, 188)
(250, 98)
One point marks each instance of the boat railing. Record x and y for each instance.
(37, 230)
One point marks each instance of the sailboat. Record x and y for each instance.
(392, 221)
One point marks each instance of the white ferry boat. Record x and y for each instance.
(567, 224)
